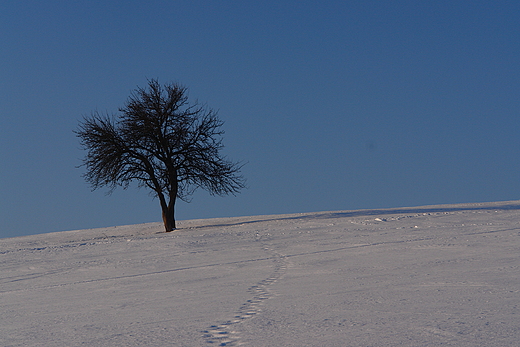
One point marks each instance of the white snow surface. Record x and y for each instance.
(446, 275)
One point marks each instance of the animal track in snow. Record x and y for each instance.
(223, 334)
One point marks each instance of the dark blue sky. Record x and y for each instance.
(334, 105)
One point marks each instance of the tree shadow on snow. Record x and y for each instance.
(513, 205)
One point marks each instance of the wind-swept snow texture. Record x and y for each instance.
(425, 276)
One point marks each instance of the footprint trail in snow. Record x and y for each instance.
(223, 334)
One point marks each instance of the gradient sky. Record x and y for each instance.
(333, 105)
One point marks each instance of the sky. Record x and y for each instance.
(332, 105)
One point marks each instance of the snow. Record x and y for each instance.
(422, 276)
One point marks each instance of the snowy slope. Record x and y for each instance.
(425, 276)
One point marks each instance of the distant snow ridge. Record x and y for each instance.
(223, 334)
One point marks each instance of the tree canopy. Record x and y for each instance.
(162, 142)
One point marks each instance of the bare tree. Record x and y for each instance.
(161, 141)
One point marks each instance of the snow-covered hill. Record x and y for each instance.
(424, 276)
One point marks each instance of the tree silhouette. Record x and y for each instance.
(161, 141)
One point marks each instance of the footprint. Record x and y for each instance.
(222, 334)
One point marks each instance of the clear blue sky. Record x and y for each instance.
(334, 104)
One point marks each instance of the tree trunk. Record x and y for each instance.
(168, 211)
(168, 214)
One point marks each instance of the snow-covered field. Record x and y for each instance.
(424, 276)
